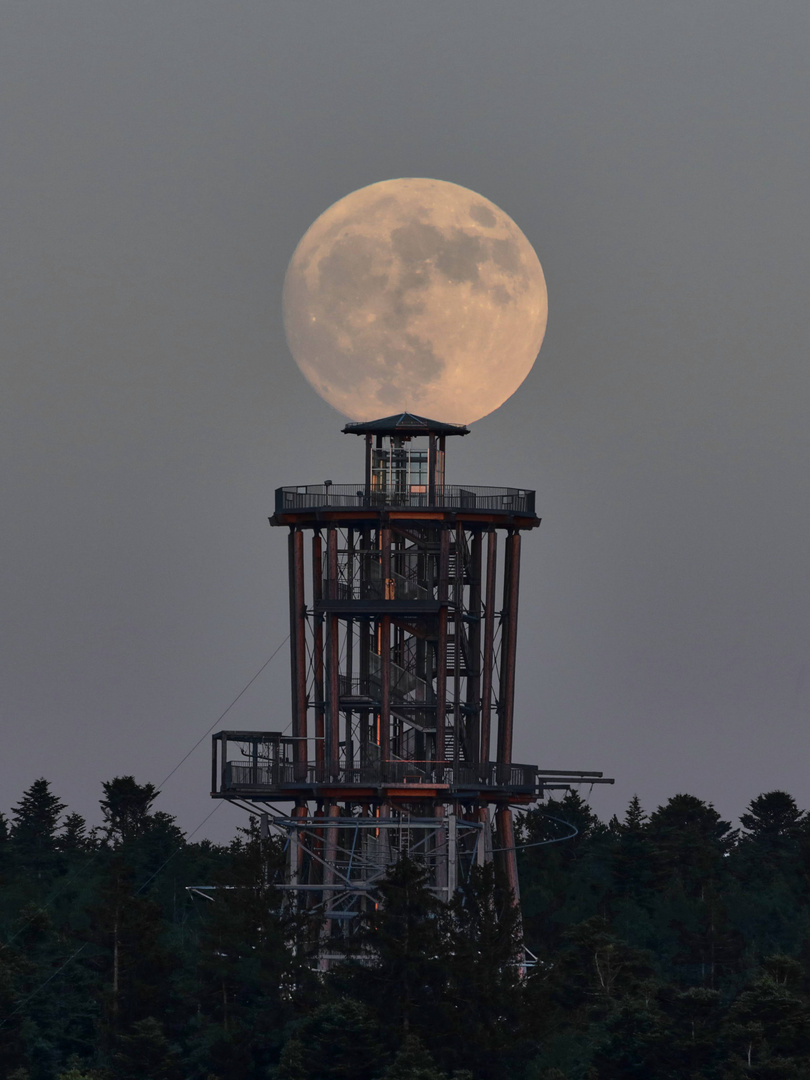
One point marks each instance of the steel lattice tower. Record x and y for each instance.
(403, 634)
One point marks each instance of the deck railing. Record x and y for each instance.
(338, 496)
(277, 775)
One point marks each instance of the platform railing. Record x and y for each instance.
(276, 775)
(349, 496)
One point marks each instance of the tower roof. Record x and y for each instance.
(404, 424)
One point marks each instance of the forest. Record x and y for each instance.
(666, 944)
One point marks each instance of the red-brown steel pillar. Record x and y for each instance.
(298, 652)
(333, 660)
(348, 667)
(296, 854)
(511, 584)
(368, 469)
(364, 638)
(458, 638)
(474, 641)
(317, 594)
(441, 648)
(484, 852)
(488, 660)
(432, 470)
(385, 651)
(505, 831)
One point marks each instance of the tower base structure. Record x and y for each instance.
(403, 642)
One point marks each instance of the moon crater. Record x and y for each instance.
(415, 295)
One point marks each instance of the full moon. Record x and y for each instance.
(415, 295)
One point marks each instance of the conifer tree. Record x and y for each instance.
(767, 1030)
(564, 860)
(403, 944)
(338, 1041)
(482, 1011)
(774, 815)
(775, 833)
(74, 835)
(144, 1051)
(632, 865)
(413, 1062)
(128, 951)
(36, 818)
(689, 839)
(248, 977)
(126, 807)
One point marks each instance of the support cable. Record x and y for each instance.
(81, 870)
(222, 715)
(178, 849)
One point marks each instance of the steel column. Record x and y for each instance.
(458, 636)
(317, 659)
(452, 854)
(505, 831)
(333, 660)
(511, 584)
(441, 647)
(298, 617)
(474, 650)
(385, 649)
(488, 661)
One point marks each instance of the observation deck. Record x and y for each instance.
(404, 479)
(357, 496)
(262, 766)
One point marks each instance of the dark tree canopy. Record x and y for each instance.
(661, 945)
(126, 807)
(36, 818)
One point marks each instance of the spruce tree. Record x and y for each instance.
(482, 1014)
(774, 815)
(74, 835)
(632, 857)
(36, 818)
(403, 945)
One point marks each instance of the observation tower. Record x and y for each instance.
(403, 595)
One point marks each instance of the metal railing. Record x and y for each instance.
(276, 775)
(313, 496)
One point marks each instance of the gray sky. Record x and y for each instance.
(161, 159)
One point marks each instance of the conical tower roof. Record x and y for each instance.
(404, 424)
